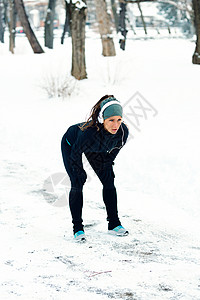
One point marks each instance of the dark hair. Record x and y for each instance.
(93, 118)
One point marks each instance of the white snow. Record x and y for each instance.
(79, 4)
(157, 176)
(148, 9)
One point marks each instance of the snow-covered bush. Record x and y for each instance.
(58, 85)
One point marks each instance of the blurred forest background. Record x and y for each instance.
(107, 18)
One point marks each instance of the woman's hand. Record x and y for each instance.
(107, 164)
(81, 178)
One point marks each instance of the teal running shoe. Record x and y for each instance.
(80, 236)
(119, 231)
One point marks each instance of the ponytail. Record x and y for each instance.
(93, 118)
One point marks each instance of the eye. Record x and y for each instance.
(119, 120)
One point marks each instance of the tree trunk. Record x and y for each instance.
(67, 22)
(2, 24)
(49, 24)
(12, 25)
(130, 19)
(196, 8)
(77, 22)
(115, 15)
(27, 27)
(142, 17)
(122, 25)
(105, 28)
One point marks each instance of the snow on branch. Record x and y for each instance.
(185, 5)
(181, 4)
(136, 1)
(78, 3)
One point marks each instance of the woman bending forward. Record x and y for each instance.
(100, 139)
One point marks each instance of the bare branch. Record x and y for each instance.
(181, 4)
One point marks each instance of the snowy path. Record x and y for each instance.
(38, 263)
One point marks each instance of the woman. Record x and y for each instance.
(100, 139)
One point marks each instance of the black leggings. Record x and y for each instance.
(106, 177)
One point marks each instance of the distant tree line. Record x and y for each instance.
(181, 12)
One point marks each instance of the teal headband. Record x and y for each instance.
(110, 107)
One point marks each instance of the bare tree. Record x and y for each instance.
(185, 5)
(27, 27)
(67, 22)
(142, 17)
(2, 19)
(105, 28)
(2, 22)
(196, 55)
(49, 24)
(77, 24)
(122, 25)
(115, 14)
(12, 25)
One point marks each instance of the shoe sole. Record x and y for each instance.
(118, 233)
(81, 240)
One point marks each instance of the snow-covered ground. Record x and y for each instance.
(157, 176)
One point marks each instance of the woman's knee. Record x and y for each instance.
(107, 177)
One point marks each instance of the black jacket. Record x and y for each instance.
(99, 146)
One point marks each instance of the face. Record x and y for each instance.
(112, 124)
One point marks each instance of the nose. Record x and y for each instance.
(115, 124)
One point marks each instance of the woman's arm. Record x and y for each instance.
(77, 150)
